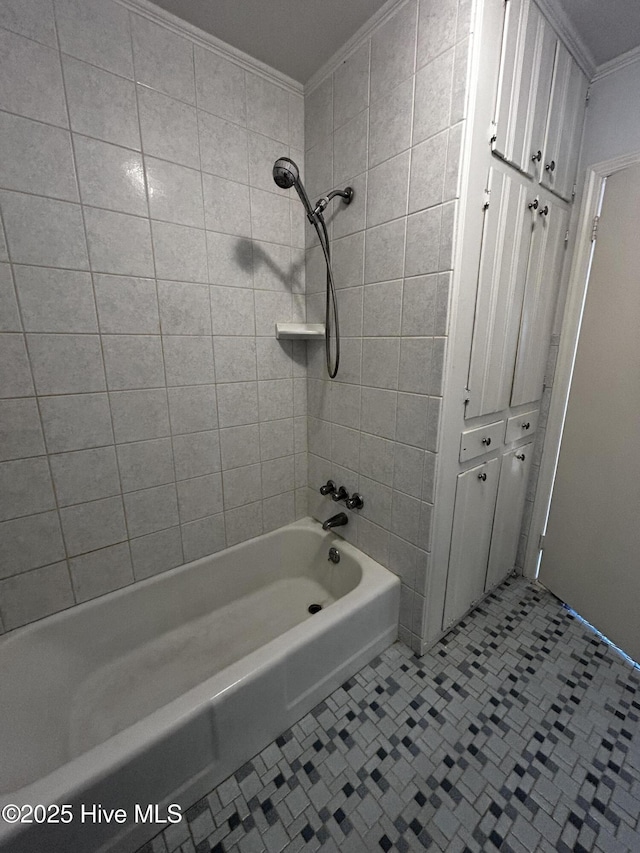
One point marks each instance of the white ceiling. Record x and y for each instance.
(295, 37)
(298, 36)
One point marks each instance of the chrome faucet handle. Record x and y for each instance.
(355, 501)
(341, 495)
(328, 488)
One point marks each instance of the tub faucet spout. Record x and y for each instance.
(337, 520)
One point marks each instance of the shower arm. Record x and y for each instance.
(346, 195)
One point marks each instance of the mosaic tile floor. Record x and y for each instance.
(517, 732)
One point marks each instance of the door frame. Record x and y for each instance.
(596, 175)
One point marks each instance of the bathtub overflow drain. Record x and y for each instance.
(314, 608)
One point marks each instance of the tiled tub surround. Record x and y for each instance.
(164, 707)
(148, 416)
(389, 121)
(518, 732)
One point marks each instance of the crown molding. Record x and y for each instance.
(154, 13)
(617, 64)
(357, 39)
(557, 17)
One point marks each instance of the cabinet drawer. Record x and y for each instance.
(479, 440)
(521, 426)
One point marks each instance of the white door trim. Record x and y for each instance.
(571, 322)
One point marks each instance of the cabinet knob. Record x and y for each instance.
(526, 425)
(533, 205)
(536, 157)
(486, 441)
(544, 211)
(550, 167)
(482, 476)
(520, 456)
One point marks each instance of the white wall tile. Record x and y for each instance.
(220, 86)
(273, 358)
(151, 509)
(380, 362)
(31, 18)
(15, 373)
(43, 231)
(379, 411)
(267, 108)
(73, 422)
(350, 146)
(232, 311)
(237, 403)
(101, 571)
(29, 542)
(428, 172)
(93, 525)
(223, 147)
(184, 309)
(351, 86)
(242, 485)
(202, 537)
(110, 176)
(235, 359)
(276, 439)
(85, 475)
(101, 104)
(140, 414)
(383, 309)
(239, 446)
(66, 364)
(20, 430)
(419, 305)
(97, 31)
(436, 28)
(433, 97)
(411, 427)
(36, 158)
(188, 359)
(415, 365)
(226, 206)
(31, 80)
(55, 300)
(118, 243)
(175, 193)
(200, 497)
(126, 305)
(9, 316)
(230, 260)
(35, 594)
(390, 121)
(270, 217)
(196, 454)
(393, 50)
(423, 242)
(133, 361)
(243, 523)
(193, 409)
(384, 252)
(163, 59)
(387, 189)
(144, 464)
(169, 128)
(156, 552)
(318, 113)
(25, 487)
(276, 399)
(180, 252)
(278, 510)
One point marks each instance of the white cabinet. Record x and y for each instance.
(504, 257)
(528, 48)
(476, 491)
(512, 491)
(540, 100)
(519, 275)
(564, 125)
(540, 297)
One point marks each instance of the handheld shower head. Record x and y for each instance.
(286, 175)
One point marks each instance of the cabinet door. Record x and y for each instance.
(564, 125)
(473, 514)
(540, 296)
(526, 64)
(512, 491)
(503, 266)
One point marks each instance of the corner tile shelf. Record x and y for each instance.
(299, 331)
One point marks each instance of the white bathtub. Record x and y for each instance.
(157, 692)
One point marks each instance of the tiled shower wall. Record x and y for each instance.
(388, 121)
(148, 416)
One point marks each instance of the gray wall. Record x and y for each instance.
(147, 414)
(388, 121)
